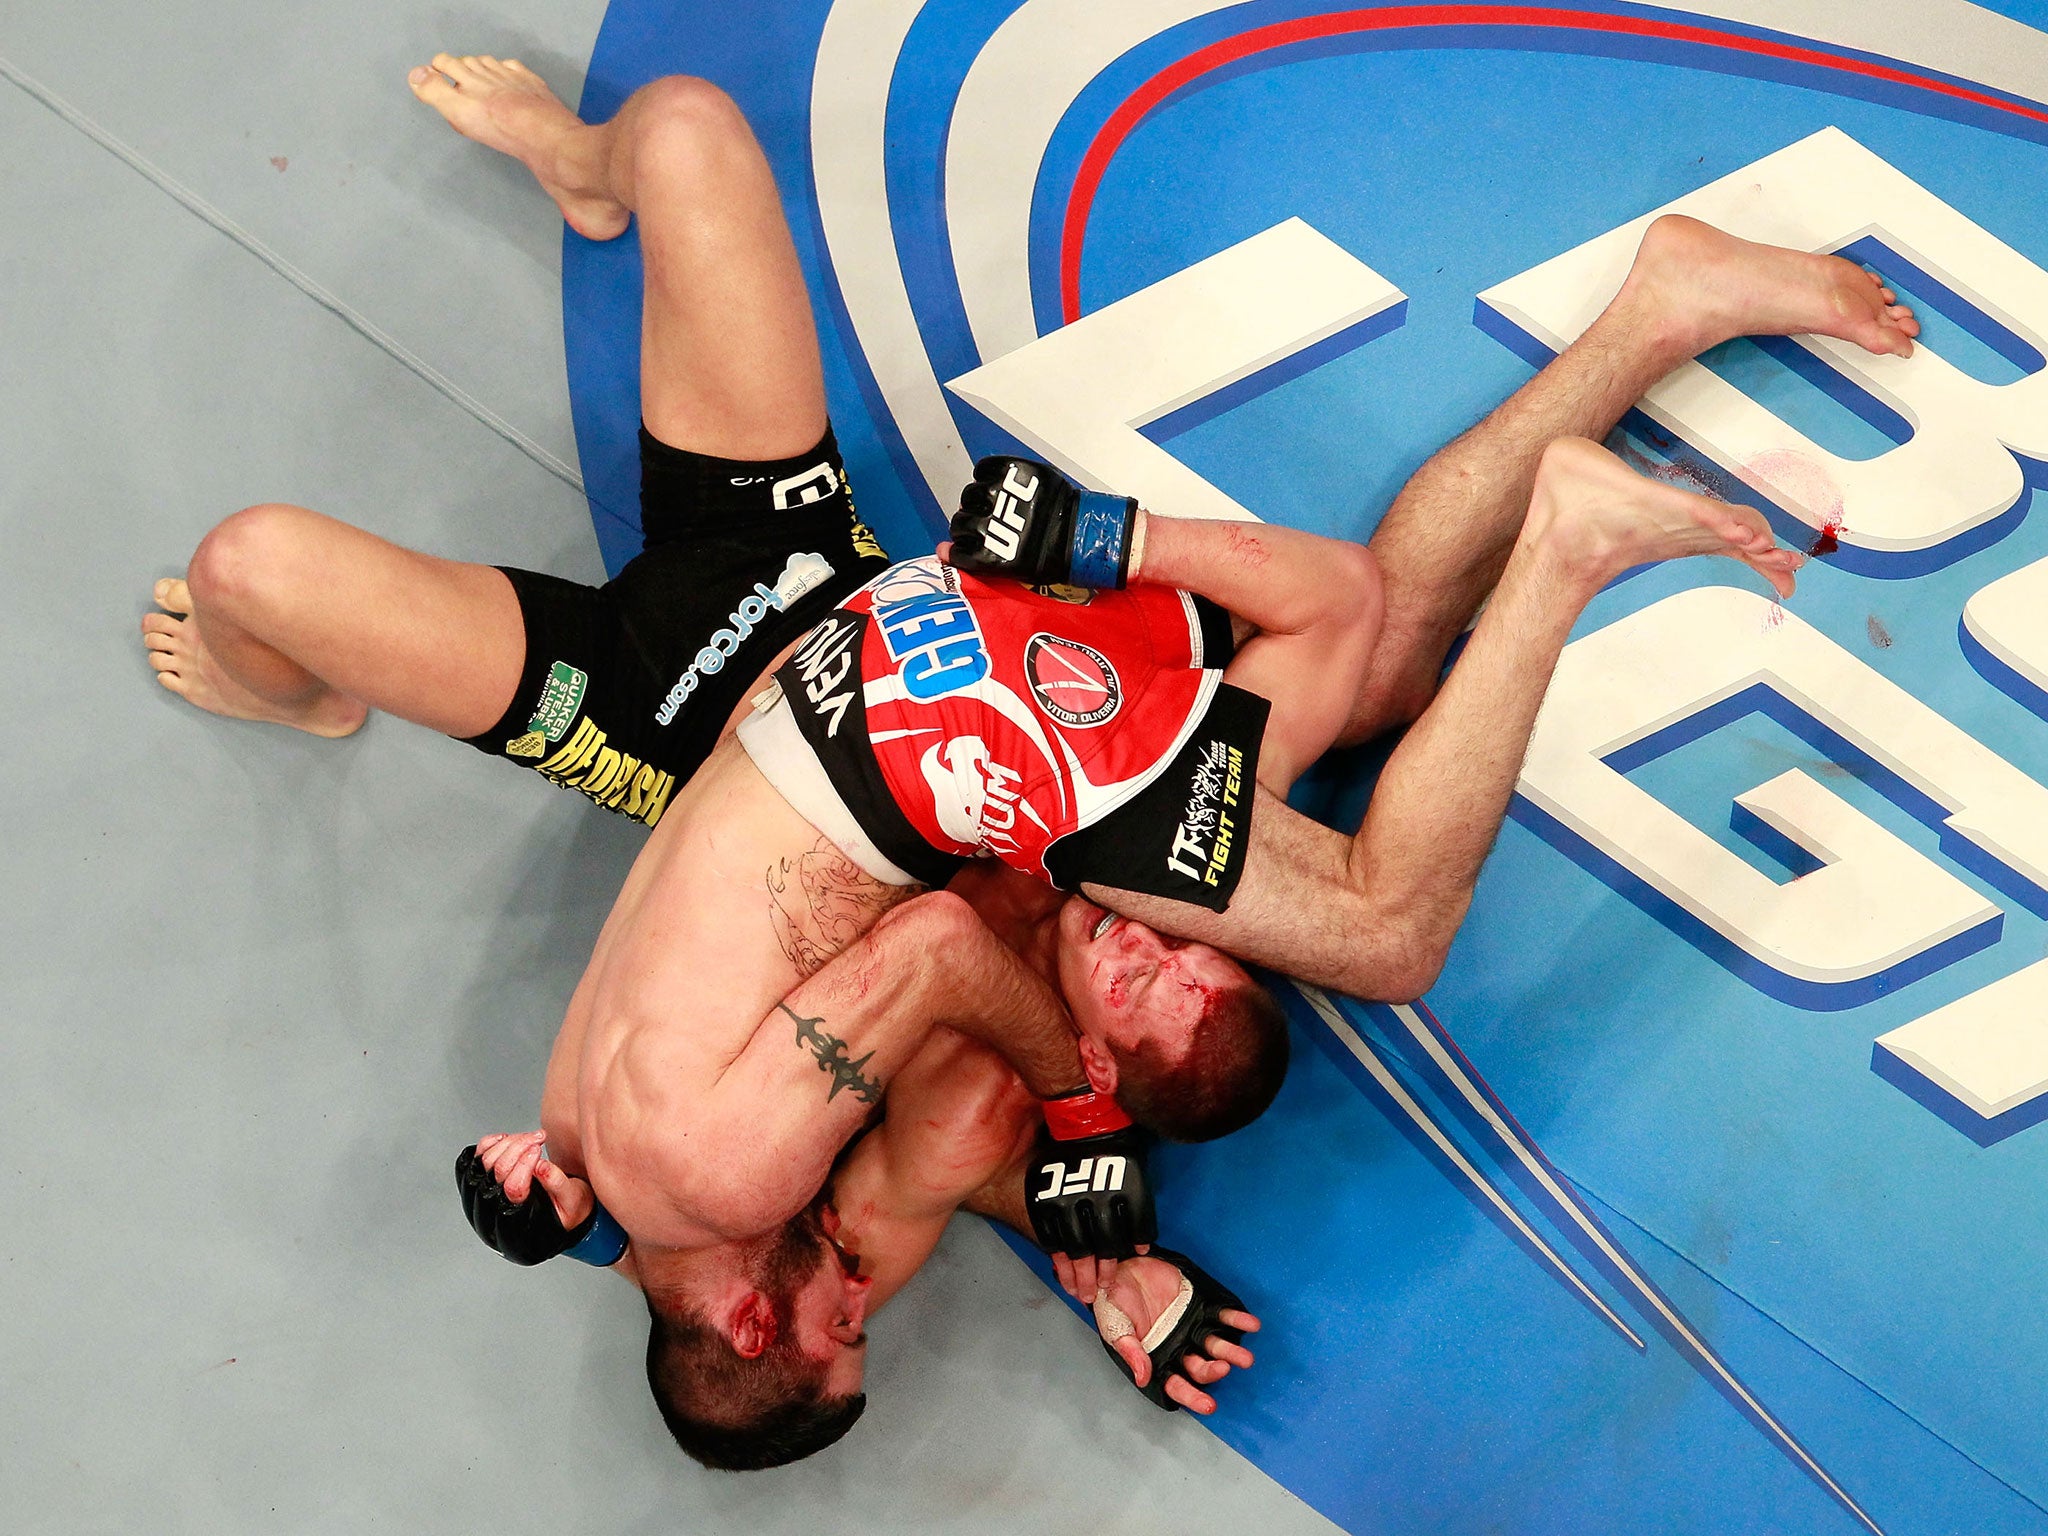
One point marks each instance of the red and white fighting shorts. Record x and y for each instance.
(935, 716)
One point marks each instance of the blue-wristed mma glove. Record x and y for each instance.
(530, 1232)
(1025, 520)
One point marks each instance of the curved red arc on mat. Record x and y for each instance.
(1110, 138)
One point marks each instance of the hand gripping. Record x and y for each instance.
(1180, 1330)
(530, 1232)
(1087, 1189)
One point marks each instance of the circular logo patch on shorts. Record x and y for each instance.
(1072, 682)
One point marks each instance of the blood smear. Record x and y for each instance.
(1806, 485)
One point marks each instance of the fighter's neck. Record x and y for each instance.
(1021, 911)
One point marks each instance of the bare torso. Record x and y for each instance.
(732, 903)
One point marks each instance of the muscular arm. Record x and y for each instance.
(957, 1116)
(1001, 1196)
(752, 1147)
(1315, 603)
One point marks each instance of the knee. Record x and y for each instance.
(681, 123)
(247, 557)
(1357, 569)
(1357, 609)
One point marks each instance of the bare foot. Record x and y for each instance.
(507, 107)
(1603, 518)
(184, 666)
(1708, 287)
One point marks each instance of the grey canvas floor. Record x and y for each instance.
(260, 988)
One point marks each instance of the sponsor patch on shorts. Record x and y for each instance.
(801, 575)
(1211, 824)
(560, 697)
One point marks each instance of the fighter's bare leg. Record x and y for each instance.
(289, 616)
(293, 617)
(1374, 915)
(728, 352)
(1445, 541)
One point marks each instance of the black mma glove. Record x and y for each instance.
(1201, 1318)
(1086, 1187)
(1023, 519)
(530, 1232)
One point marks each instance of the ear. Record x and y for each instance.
(1099, 1066)
(753, 1326)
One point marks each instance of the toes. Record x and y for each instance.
(163, 661)
(159, 640)
(173, 595)
(450, 69)
(173, 681)
(434, 85)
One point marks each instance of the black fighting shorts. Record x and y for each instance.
(625, 686)
(1186, 834)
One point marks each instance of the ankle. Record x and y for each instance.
(581, 161)
(1647, 333)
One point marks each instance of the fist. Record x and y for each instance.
(1091, 1197)
(1024, 520)
(528, 1229)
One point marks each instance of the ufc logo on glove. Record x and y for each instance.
(1108, 1174)
(1006, 524)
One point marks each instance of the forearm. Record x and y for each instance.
(1316, 605)
(970, 981)
(1281, 580)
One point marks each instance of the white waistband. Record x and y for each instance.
(772, 739)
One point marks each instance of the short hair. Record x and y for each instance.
(734, 1414)
(1222, 1082)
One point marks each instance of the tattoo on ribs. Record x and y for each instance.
(820, 902)
(830, 1051)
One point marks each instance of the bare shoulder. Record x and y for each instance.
(819, 901)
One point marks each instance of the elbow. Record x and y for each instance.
(1406, 962)
(935, 918)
